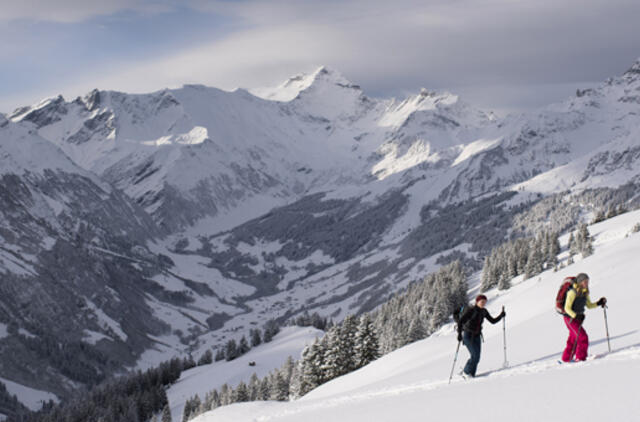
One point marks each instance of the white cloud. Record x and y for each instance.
(70, 11)
(391, 47)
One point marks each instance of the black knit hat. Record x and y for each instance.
(581, 277)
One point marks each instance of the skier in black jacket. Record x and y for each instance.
(470, 332)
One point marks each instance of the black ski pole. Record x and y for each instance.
(606, 326)
(504, 339)
(455, 358)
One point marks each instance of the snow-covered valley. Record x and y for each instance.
(411, 383)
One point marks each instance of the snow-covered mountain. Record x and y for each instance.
(155, 224)
(411, 383)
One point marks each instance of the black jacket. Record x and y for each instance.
(471, 320)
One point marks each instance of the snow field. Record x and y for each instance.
(290, 341)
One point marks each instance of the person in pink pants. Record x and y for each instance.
(574, 307)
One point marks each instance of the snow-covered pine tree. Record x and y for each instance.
(554, 249)
(191, 408)
(188, 363)
(586, 245)
(504, 280)
(574, 244)
(243, 346)
(416, 330)
(279, 387)
(206, 358)
(219, 355)
(256, 338)
(241, 393)
(490, 272)
(271, 328)
(166, 414)
(225, 395)
(288, 370)
(231, 350)
(367, 348)
(264, 390)
(254, 387)
(311, 373)
(211, 400)
(534, 262)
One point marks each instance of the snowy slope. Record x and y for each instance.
(290, 341)
(411, 383)
(30, 397)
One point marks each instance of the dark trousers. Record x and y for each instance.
(474, 344)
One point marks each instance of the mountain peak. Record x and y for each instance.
(327, 74)
(295, 85)
(634, 70)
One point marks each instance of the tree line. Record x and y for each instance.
(133, 398)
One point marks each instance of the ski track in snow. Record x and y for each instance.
(629, 353)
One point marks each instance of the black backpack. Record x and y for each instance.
(457, 313)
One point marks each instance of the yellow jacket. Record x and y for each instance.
(572, 294)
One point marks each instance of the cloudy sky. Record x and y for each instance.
(498, 54)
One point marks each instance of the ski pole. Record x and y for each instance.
(504, 339)
(606, 325)
(455, 358)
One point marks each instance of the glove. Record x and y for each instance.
(580, 318)
(459, 335)
(602, 301)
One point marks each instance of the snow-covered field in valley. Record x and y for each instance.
(290, 341)
(410, 384)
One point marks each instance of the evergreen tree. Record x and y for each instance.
(241, 393)
(366, 344)
(166, 414)
(279, 387)
(534, 263)
(254, 387)
(271, 328)
(231, 350)
(191, 408)
(288, 370)
(220, 355)
(339, 354)
(256, 339)
(188, 363)
(416, 330)
(206, 358)
(264, 391)
(586, 242)
(243, 347)
(311, 374)
(225, 395)
(554, 249)
(574, 246)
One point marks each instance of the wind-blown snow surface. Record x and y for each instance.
(410, 384)
(290, 341)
